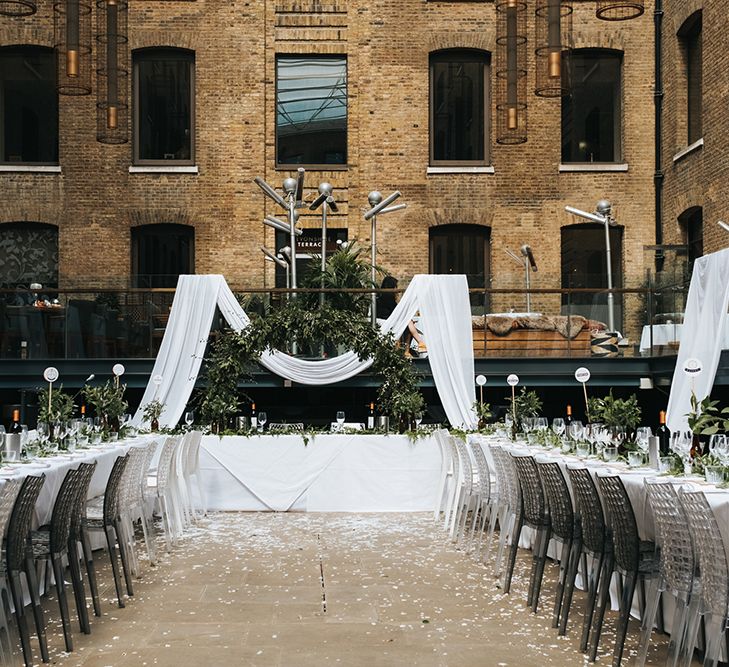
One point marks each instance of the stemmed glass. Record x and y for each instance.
(577, 430)
(719, 447)
(681, 444)
(558, 426)
(642, 435)
(340, 418)
(418, 418)
(262, 419)
(2, 436)
(59, 432)
(190, 418)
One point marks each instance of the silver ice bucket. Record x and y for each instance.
(11, 448)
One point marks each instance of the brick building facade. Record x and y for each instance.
(99, 194)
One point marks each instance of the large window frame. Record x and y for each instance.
(29, 252)
(154, 279)
(690, 38)
(569, 68)
(29, 51)
(460, 55)
(166, 53)
(331, 166)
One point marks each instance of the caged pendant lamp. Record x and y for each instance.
(553, 40)
(511, 73)
(112, 71)
(72, 30)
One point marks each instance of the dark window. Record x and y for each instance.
(29, 252)
(28, 106)
(458, 103)
(311, 110)
(164, 106)
(692, 222)
(462, 249)
(690, 36)
(161, 253)
(591, 112)
(584, 266)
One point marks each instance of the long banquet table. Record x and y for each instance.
(325, 473)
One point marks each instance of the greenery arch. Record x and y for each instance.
(310, 328)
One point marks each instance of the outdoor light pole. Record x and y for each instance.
(326, 201)
(604, 217)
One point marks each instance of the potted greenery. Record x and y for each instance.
(109, 402)
(61, 406)
(152, 412)
(525, 404)
(618, 414)
(483, 412)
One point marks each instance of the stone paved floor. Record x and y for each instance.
(246, 589)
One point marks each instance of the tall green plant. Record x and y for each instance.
(108, 399)
(615, 412)
(61, 405)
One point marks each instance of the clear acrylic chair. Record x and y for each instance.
(563, 526)
(192, 470)
(509, 503)
(159, 488)
(446, 474)
(484, 500)
(8, 493)
(468, 496)
(677, 572)
(454, 490)
(712, 556)
(632, 557)
(535, 514)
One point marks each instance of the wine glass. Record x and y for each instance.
(718, 446)
(262, 419)
(2, 435)
(340, 418)
(558, 426)
(189, 418)
(577, 430)
(418, 418)
(681, 444)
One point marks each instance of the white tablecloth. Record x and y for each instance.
(671, 333)
(331, 473)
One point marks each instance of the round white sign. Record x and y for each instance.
(582, 374)
(157, 379)
(480, 380)
(693, 367)
(513, 380)
(118, 369)
(50, 374)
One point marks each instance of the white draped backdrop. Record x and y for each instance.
(444, 309)
(702, 334)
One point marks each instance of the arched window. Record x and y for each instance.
(164, 106)
(161, 253)
(29, 252)
(591, 112)
(28, 106)
(462, 249)
(584, 265)
(459, 103)
(692, 222)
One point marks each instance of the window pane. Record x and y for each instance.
(30, 254)
(164, 106)
(311, 110)
(28, 105)
(694, 80)
(162, 254)
(591, 113)
(458, 107)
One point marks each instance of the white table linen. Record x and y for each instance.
(332, 473)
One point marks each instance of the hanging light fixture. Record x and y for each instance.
(18, 7)
(72, 27)
(619, 10)
(511, 73)
(553, 37)
(112, 71)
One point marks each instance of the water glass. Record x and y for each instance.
(610, 453)
(113, 437)
(664, 463)
(642, 436)
(714, 474)
(635, 459)
(583, 449)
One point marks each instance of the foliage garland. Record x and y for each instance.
(234, 355)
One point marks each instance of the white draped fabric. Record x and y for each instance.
(445, 311)
(701, 335)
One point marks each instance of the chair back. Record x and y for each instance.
(678, 562)
(63, 510)
(192, 459)
(536, 512)
(482, 466)
(20, 521)
(164, 468)
(113, 486)
(8, 494)
(282, 428)
(710, 549)
(621, 521)
(508, 481)
(558, 498)
(78, 513)
(464, 459)
(589, 510)
(130, 485)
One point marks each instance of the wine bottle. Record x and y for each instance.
(254, 416)
(15, 428)
(83, 410)
(568, 418)
(371, 418)
(663, 434)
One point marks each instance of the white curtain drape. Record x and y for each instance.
(701, 336)
(445, 311)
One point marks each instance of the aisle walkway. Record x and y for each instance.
(247, 590)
